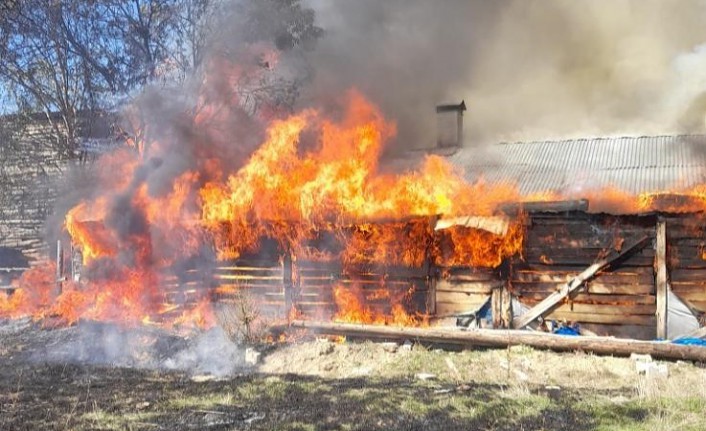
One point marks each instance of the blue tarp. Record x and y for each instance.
(690, 341)
(567, 330)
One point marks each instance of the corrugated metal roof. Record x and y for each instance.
(632, 164)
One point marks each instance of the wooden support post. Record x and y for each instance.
(287, 281)
(506, 311)
(431, 270)
(661, 284)
(59, 267)
(431, 296)
(553, 300)
(496, 305)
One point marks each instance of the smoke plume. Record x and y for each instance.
(528, 69)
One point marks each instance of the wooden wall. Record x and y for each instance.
(619, 301)
(257, 281)
(28, 187)
(686, 259)
(463, 289)
(382, 286)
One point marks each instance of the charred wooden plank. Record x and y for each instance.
(392, 288)
(535, 239)
(470, 287)
(578, 206)
(559, 269)
(688, 275)
(248, 289)
(480, 277)
(620, 278)
(563, 262)
(589, 298)
(689, 241)
(571, 255)
(246, 278)
(572, 231)
(376, 284)
(627, 289)
(688, 264)
(697, 287)
(591, 287)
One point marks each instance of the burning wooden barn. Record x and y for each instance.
(639, 212)
(628, 263)
(602, 236)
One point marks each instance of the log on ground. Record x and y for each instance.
(506, 338)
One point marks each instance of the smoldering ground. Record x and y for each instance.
(210, 352)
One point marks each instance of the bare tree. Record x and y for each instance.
(73, 60)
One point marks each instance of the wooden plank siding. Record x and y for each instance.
(462, 290)
(559, 246)
(686, 259)
(29, 174)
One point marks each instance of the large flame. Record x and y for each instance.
(316, 179)
(312, 175)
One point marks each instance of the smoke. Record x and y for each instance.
(528, 69)
(407, 56)
(211, 352)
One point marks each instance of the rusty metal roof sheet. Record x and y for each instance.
(632, 164)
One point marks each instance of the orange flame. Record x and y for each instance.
(354, 306)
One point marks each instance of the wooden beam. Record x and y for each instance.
(566, 289)
(506, 310)
(661, 279)
(59, 267)
(505, 338)
(288, 282)
(496, 305)
(552, 207)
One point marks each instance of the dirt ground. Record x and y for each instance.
(59, 379)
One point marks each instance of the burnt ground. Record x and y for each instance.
(64, 379)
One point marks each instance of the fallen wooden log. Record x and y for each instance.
(506, 338)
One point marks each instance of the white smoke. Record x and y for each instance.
(528, 69)
(210, 352)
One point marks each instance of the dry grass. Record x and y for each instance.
(609, 390)
(362, 386)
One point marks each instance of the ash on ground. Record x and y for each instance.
(105, 344)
